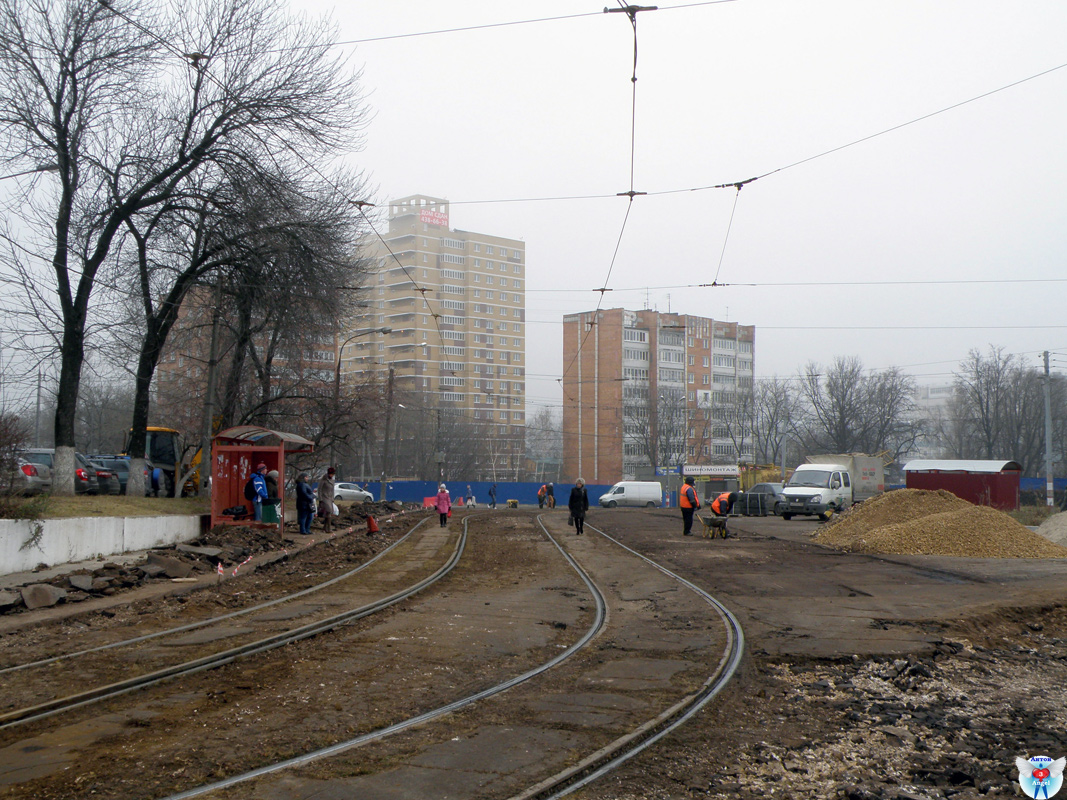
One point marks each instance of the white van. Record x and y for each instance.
(633, 493)
(817, 489)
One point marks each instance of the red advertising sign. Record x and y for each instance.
(433, 217)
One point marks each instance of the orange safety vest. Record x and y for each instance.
(688, 497)
(541, 492)
(720, 503)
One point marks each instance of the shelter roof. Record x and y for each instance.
(964, 465)
(254, 434)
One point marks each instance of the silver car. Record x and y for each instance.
(352, 491)
(85, 480)
(27, 478)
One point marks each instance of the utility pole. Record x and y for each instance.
(207, 424)
(37, 416)
(388, 418)
(1050, 498)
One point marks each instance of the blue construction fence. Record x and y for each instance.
(525, 493)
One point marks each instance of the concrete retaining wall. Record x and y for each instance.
(65, 540)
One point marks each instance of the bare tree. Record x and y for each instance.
(776, 412)
(94, 89)
(982, 387)
(998, 411)
(544, 443)
(847, 410)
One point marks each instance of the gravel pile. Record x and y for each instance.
(918, 522)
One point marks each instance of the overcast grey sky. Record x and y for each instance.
(725, 92)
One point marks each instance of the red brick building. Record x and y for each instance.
(643, 389)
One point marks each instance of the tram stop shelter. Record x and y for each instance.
(984, 483)
(235, 452)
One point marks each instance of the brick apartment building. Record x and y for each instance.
(643, 389)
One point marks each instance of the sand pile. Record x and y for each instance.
(918, 522)
(1055, 529)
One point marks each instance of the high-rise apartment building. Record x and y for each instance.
(643, 389)
(447, 320)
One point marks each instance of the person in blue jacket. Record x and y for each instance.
(259, 481)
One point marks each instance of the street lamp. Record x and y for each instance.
(39, 168)
(337, 371)
(388, 418)
(340, 351)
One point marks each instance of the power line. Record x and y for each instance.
(791, 284)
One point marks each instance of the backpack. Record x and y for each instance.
(250, 490)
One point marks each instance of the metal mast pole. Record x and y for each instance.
(1050, 499)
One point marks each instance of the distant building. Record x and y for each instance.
(644, 389)
(455, 306)
(932, 406)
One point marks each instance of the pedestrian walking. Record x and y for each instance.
(689, 503)
(578, 505)
(492, 496)
(443, 504)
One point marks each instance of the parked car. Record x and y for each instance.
(108, 480)
(761, 500)
(352, 491)
(26, 478)
(85, 480)
(120, 466)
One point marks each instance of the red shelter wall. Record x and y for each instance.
(997, 489)
(233, 465)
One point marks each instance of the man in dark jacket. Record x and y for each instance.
(305, 503)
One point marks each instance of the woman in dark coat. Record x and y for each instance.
(579, 504)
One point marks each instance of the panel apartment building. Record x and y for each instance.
(454, 304)
(643, 389)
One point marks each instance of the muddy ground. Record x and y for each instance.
(864, 677)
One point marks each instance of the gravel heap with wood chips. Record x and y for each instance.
(920, 522)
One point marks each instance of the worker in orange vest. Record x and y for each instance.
(541, 496)
(722, 504)
(689, 503)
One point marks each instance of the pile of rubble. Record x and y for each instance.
(919, 522)
(225, 545)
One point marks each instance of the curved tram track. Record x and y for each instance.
(81, 667)
(529, 708)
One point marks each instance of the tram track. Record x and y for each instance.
(59, 705)
(192, 626)
(601, 753)
(592, 766)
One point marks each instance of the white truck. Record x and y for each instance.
(867, 473)
(831, 483)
